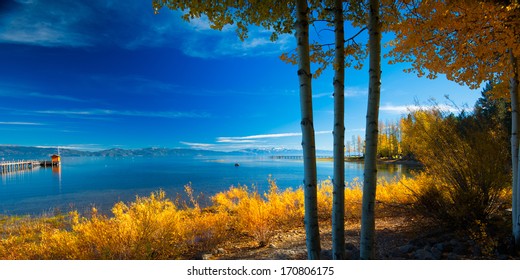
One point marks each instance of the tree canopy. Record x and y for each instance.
(468, 41)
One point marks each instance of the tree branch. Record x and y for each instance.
(355, 35)
(320, 20)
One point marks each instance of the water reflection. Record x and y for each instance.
(388, 171)
(25, 174)
(56, 173)
(8, 177)
(401, 169)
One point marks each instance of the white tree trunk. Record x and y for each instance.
(513, 88)
(307, 125)
(367, 249)
(338, 198)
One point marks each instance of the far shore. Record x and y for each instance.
(407, 162)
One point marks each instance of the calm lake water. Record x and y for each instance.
(80, 183)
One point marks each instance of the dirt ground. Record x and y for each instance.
(392, 232)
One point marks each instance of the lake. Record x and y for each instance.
(81, 182)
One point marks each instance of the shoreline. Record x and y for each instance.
(406, 162)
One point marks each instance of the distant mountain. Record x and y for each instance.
(270, 151)
(282, 152)
(24, 152)
(154, 152)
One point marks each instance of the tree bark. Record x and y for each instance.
(338, 198)
(307, 125)
(513, 89)
(367, 248)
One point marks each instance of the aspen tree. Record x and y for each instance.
(307, 124)
(367, 243)
(338, 199)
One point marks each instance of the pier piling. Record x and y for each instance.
(20, 165)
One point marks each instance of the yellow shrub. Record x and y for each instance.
(154, 227)
(325, 200)
(59, 244)
(149, 228)
(205, 230)
(353, 196)
(261, 215)
(229, 200)
(286, 207)
(22, 238)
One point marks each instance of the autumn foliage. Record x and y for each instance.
(156, 227)
(468, 41)
(467, 166)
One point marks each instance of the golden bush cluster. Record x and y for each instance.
(155, 227)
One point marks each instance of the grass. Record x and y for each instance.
(155, 227)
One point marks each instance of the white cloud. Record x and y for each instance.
(397, 109)
(259, 136)
(108, 112)
(199, 145)
(257, 141)
(22, 93)
(238, 141)
(403, 109)
(43, 36)
(355, 91)
(349, 92)
(200, 40)
(202, 24)
(212, 44)
(62, 23)
(323, 94)
(355, 130)
(20, 123)
(81, 147)
(56, 97)
(44, 23)
(228, 147)
(266, 136)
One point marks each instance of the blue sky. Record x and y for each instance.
(97, 74)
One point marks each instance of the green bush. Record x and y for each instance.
(468, 163)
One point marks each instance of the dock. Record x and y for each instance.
(296, 157)
(21, 165)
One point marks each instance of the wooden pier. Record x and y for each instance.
(21, 165)
(296, 157)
